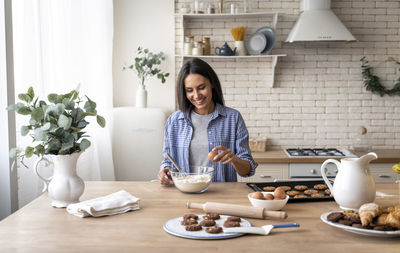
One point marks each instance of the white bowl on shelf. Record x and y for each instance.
(272, 205)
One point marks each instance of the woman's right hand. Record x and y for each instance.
(164, 177)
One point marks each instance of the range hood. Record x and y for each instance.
(317, 22)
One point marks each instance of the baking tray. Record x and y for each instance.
(258, 187)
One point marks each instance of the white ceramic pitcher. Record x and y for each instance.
(65, 186)
(354, 184)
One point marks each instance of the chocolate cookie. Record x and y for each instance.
(300, 196)
(292, 193)
(189, 221)
(317, 195)
(269, 188)
(229, 224)
(320, 187)
(193, 227)
(328, 192)
(190, 215)
(211, 216)
(383, 228)
(207, 223)
(300, 187)
(234, 218)
(345, 222)
(334, 216)
(285, 188)
(310, 191)
(357, 225)
(214, 230)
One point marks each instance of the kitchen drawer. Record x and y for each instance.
(267, 172)
(383, 173)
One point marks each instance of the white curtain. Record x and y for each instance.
(58, 45)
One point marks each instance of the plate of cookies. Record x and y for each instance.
(350, 221)
(207, 226)
(298, 191)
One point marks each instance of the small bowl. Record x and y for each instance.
(197, 181)
(272, 205)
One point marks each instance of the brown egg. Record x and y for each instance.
(257, 195)
(211, 155)
(269, 196)
(279, 193)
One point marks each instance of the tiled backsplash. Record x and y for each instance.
(318, 98)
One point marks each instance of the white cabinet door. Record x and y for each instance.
(267, 172)
(383, 173)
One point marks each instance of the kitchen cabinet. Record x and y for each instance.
(267, 172)
(383, 173)
(255, 17)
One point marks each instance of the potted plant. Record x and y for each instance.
(56, 129)
(146, 65)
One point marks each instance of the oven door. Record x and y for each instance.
(311, 171)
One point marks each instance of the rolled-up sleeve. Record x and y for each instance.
(242, 146)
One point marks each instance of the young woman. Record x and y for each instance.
(203, 124)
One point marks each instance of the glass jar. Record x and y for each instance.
(210, 8)
(206, 46)
(188, 45)
(197, 48)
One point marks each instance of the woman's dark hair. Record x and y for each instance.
(197, 66)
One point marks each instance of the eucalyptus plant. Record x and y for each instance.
(56, 127)
(146, 65)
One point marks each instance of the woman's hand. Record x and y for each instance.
(164, 177)
(225, 156)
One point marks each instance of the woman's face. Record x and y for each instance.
(198, 90)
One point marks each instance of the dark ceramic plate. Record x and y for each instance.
(310, 184)
(270, 35)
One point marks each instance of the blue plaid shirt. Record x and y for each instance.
(226, 128)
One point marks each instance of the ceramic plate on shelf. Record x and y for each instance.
(174, 227)
(361, 231)
(256, 43)
(270, 35)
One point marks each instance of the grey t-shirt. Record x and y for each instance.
(198, 150)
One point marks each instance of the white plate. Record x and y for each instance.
(361, 231)
(256, 43)
(174, 227)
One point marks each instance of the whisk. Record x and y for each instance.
(238, 33)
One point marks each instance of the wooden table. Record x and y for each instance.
(38, 227)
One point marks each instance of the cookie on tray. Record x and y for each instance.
(193, 227)
(190, 216)
(269, 188)
(310, 191)
(300, 196)
(317, 195)
(292, 193)
(335, 216)
(300, 187)
(285, 187)
(190, 221)
(320, 187)
(211, 216)
(230, 224)
(234, 218)
(207, 223)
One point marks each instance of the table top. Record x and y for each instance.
(38, 227)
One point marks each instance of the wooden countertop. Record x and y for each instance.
(279, 156)
(38, 227)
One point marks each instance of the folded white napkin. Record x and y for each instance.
(115, 203)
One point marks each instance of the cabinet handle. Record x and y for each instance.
(384, 176)
(264, 176)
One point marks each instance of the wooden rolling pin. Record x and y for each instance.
(237, 210)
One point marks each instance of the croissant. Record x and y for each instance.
(392, 209)
(368, 212)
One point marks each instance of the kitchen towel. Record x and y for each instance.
(115, 203)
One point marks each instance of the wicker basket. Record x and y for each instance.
(258, 145)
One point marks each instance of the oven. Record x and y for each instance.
(312, 171)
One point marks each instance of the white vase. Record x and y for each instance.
(240, 48)
(65, 186)
(141, 96)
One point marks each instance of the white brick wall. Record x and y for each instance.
(318, 97)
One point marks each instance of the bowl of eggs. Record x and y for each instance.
(272, 201)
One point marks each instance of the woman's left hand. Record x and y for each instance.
(225, 156)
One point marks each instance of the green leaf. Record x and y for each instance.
(31, 93)
(66, 146)
(13, 107)
(69, 104)
(24, 110)
(32, 122)
(101, 121)
(39, 150)
(37, 114)
(85, 143)
(60, 108)
(52, 98)
(24, 130)
(40, 135)
(64, 122)
(29, 152)
(46, 126)
(82, 124)
(25, 97)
